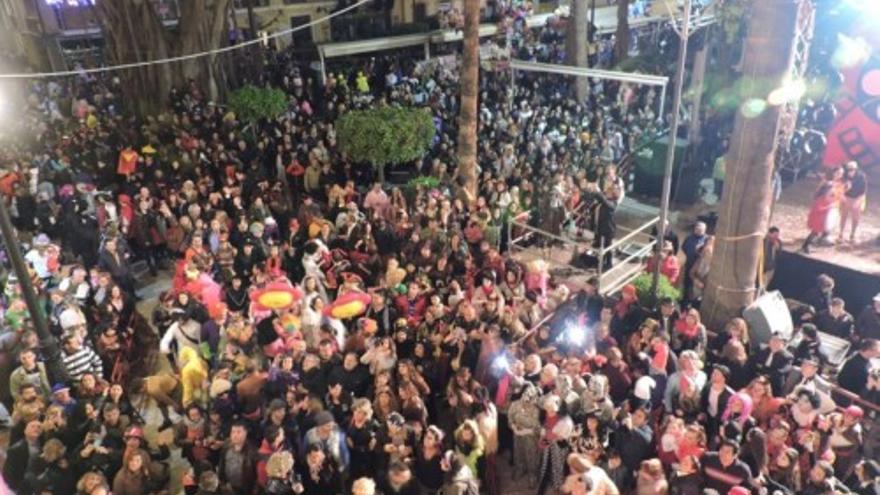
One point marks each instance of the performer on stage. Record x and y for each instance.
(854, 199)
(825, 212)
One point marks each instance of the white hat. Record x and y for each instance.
(877, 297)
(70, 318)
(643, 388)
(41, 240)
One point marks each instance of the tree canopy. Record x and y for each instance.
(252, 103)
(386, 135)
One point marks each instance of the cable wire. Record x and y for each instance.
(181, 58)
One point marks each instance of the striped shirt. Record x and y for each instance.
(81, 362)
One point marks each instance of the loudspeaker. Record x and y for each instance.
(768, 314)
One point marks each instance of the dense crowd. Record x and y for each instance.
(328, 334)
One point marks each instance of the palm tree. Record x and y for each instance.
(747, 198)
(577, 44)
(621, 43)
(467, 117)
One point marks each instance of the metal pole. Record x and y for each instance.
(48, 344)
(601, 264)
(592, 34)
(660, 115)
(670, 151)
(323, 67)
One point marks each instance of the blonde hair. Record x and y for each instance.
(743, 327)
(363, 486)
(364, 405)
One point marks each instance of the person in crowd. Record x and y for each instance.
(824, 214)
(772, 247)
(775, 362)
(853, 375)
(328, 333)
(854, 199)
(722, 470)
(868, 323)
(691, 248)
(836, 320)
(819, 296)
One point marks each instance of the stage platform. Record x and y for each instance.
(854, 266)
(790, 215)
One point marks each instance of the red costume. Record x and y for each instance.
(826, 199)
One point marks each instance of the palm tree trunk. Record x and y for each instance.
(621, 41)
(747, 198)
(470, 79)
(577, 45)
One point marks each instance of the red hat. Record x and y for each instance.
(628, 290)
(738, 490)
(216, 310)
(854, 411)
(134, 432)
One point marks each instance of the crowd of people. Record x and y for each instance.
(327, 334)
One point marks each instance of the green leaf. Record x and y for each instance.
(642, 284)
(251, 103)
(386, 135)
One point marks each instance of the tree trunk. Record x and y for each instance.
(747, 198)
(470, 81)
(134, 33)
(576, 51)
(621, 37)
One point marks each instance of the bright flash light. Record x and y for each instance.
(866, 7)
(851, 52)
(501, 363)
(788, 92)
(576, 334)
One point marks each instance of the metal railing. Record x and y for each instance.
(610, 280)
(624, 270)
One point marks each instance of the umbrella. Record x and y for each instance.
(277, 295)
(349, 305)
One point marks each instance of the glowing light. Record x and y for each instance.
(576, 334)
(70, 3)
(850, 52)
(788, 92)
(866, 7)
(501, 363)
(753, 108)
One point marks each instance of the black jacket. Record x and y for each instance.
(723, 478)
(868, 324)
(17, 458)
(329, 481)
(853, 375)
(691, 484)
(722, 400)
(634, 445)
(604, 215)
(780, 365)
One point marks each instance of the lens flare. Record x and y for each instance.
(753, 107)
(788, 92)
(850, 52)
